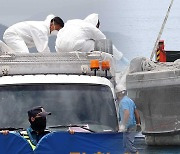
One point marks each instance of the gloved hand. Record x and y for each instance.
(122, 128)
(138, 127)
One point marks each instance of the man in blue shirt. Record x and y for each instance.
(130, 119)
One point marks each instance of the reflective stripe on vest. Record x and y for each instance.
(26, 136)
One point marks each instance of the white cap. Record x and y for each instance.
(120, 88)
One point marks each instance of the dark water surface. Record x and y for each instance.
(145, 149)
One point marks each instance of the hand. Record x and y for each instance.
(138, 127)
(122, 128)
(5, 132)
(71, 131)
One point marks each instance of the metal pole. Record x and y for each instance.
(161, 30)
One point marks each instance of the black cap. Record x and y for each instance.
(38, 110)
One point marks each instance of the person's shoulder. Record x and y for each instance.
(30, 130)
(126, 98)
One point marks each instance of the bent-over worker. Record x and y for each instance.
(79, 35)
(23, 35)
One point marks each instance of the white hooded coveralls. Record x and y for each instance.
(21, 36)
(79, 35)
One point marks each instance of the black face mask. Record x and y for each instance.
(39, 124)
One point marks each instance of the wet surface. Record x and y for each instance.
(145, 149)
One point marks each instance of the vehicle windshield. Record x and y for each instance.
(86, 104)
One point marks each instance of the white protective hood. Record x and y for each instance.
(49, 18)
(92, 18)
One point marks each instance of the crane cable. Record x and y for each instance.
(161, 30)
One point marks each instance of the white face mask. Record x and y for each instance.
(54, 32)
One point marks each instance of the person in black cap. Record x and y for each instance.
(37, 119)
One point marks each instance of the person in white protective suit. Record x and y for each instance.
(23, 35)
(79, 35)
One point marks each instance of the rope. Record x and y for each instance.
(161, 30)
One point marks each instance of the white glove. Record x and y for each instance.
(122, 128)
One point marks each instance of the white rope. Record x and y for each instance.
(161, 30)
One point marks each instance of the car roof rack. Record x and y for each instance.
(52, 63)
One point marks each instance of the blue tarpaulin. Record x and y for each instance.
(14, 144)
(86, 143)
